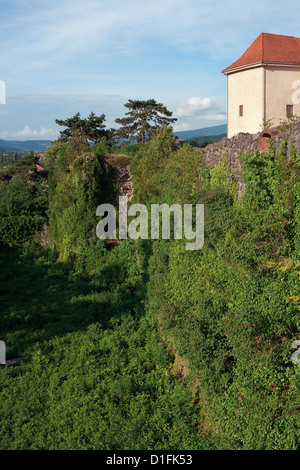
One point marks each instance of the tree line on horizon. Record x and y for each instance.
(139, 124)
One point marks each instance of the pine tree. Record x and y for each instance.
(144, 117)
(88, 130)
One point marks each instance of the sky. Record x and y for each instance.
(61, 57)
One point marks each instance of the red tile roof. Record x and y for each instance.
(270, 48)
(39, 167)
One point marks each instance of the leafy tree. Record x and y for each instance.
(88, 130)
(144, 117)
(23, 201)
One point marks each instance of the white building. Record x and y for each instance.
(263, 84)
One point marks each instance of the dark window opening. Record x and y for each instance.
(289, 110)
(241, 110)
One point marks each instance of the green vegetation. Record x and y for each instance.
(144, 118)
(8, 158)
(145, 345)
(80, 180)
(288, 123)
(23, 201)
(231, 310)
(91, 129)
(129, 149)
(94, 373)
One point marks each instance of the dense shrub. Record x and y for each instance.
(23, 201)
(80, 181)
(147, 345)
(94, 373)
(231, 310)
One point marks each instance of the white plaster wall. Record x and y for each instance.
(245, 88)
(279, 92)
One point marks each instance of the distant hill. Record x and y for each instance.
(212, 133)
(24, 146)
(202, 141)
(201, 135)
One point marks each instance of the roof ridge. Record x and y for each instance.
(269, 48)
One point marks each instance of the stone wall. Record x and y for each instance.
(122, 164)
(291, 134)
(231, 148)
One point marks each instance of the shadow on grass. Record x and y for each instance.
(41, 298)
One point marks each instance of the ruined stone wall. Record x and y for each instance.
(292, 134)
(231, 148)
(122, 164)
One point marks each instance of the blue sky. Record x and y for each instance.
(61, 57)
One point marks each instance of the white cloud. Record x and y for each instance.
(44, 32)
(4, 134)
(117, 47)
(194, 106)
(222, 117)
(184, 126)
(33, 116)
(197, 112)
(28, 133)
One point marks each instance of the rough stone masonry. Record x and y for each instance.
(244, 143)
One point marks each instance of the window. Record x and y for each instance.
(289, 110)
(241, 109)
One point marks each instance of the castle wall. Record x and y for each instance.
(279, 83)
(244, 142)
(245, 88)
